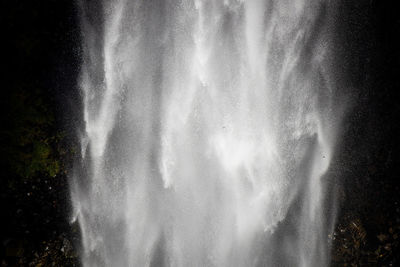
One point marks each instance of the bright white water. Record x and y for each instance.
(209, 128)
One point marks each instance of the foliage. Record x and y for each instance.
(33, 145)
(354, 245)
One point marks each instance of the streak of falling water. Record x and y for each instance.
(209, 128)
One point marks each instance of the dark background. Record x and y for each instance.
(40, 111)
(368, 229)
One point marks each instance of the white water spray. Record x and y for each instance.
(209, 128)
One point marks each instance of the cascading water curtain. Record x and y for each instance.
(209, 128)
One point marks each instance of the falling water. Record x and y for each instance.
(209, 129)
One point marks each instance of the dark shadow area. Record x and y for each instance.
(368, 227)
(39, 114)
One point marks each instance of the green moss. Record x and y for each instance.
(32, 140)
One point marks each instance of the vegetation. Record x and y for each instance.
(35, 196)
(34, 152)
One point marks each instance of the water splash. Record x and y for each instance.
(209, 128)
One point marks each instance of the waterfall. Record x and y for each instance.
(209, 130)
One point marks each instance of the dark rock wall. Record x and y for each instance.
(40, 63)
(368, 227)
